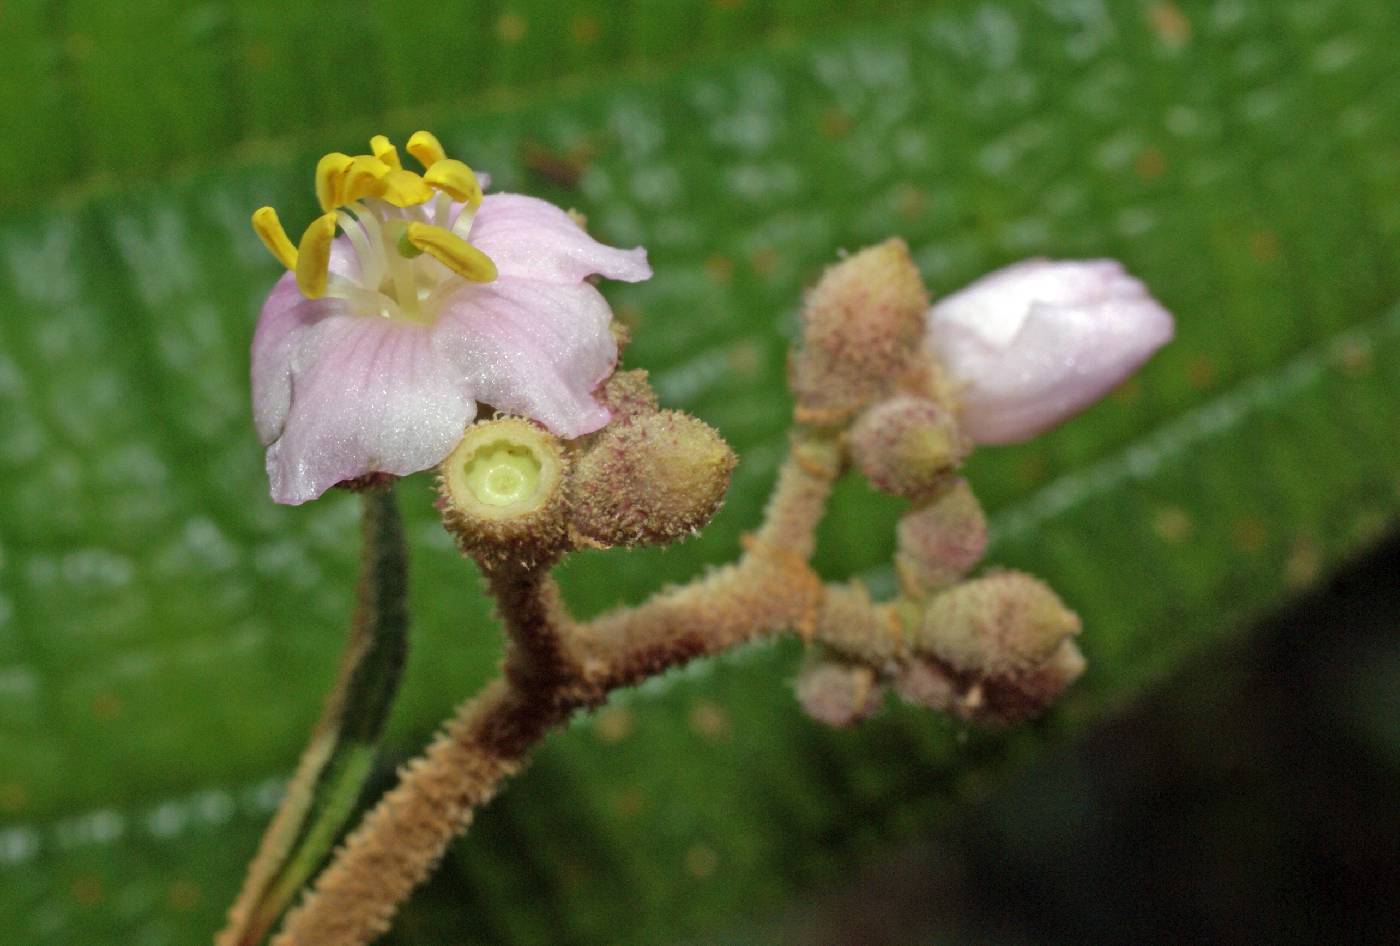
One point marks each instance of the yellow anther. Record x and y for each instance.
(329, 171)
(314, 256)
(385, 151)
(454, 179)
(269, 230)
(424, 146)
(361, 179)
(452, 251)
(404, 188)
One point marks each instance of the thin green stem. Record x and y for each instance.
(338, 759)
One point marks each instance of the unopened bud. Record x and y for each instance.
(837, 692)
(649, 481)
(1014, 699)
(502, 492)
(628, 394)
(907, 446)
(862, 326)
(924, 683)
(1001, 625)
(938, 544)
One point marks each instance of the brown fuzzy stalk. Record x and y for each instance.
(996, 649)
(552, 669)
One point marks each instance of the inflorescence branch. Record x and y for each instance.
(517, 499)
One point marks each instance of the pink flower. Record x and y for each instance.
(1031, 345)
(372, 353)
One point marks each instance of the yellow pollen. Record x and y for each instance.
(329, 171)
(314, 256)
(269, 230)
(454, 179)
(404, 188)
(361, 179)
(424, 146)
(451, 251)
(385, 151)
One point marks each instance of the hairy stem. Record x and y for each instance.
(554, 667)
(337, 760)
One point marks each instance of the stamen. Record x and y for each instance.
(424, 146)
(314, 256)
(455, 179)
(329, 171)
(442, 210)
(269, 230)
(404, 188)
(361, 179)
(385, 151)
(371, 269)
(452, 251)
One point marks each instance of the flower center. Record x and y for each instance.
(408, 231)
(500, 474)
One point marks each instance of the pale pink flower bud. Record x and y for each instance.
(1031, 345)
(837, 692)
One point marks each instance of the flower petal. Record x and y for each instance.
(285, 314)
(368, 395)
(532, 347)
(532, 238)
(1036, 343)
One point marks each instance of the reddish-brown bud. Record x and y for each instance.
(1013, 699)
(907, 446)
(862, 326)
(938, 544)
(835, 691)
(650, 480)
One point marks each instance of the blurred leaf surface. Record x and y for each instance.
(167, 633)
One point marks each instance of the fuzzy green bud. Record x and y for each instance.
(938, 544)
(502, 492)
(648, 481)
(1002, 624)
(907, 446)
(862, 326)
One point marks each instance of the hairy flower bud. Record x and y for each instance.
(923, 683)
(861, 326)
(1014, 699)
(938, 544)
(649, 481)
(502, 492)
(1004, 643)
(628, 394)
(835, 691)
(907, 446)
(1002, 624)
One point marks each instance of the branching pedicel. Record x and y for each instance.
(575, 454)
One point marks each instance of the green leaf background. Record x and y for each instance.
(167, 633)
